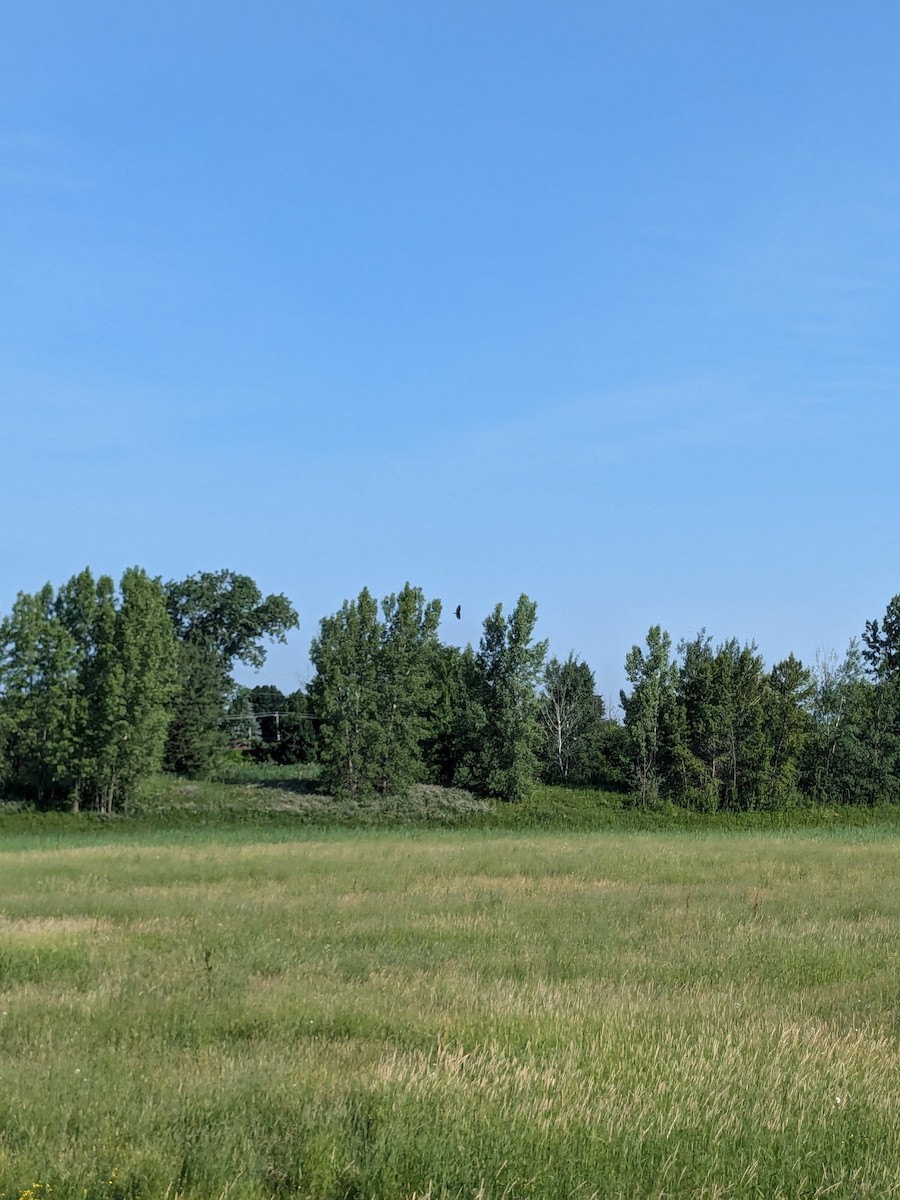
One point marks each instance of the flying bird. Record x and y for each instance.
(458, 611)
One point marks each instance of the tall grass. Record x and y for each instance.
(456, 1014)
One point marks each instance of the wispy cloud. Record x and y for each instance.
(636, 425)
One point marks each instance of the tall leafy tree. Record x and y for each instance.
(102, 701)
(509, 665)
(407, 688)
(228, 611)
(220, 618)
(882, 659)
(721, 743)
(844, 765)
(147, 655)
(788, 728)
(86, 682)
(38, 682)
(81, 606)
(374, 688)
(648, 709)
(298, 742)
(571, 715)
(457, 718)
(344, 694)
(855, 756)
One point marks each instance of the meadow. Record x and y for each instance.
(197, 1013)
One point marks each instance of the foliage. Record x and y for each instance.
(853, 748)
(648, 708)
(229, 612)
(508, 668)
(720, 696)
(582, 746)
(373, 690)
(136, 691)
(94, 680)
(197, 736)
(220, 618)
(788, 729)
(269, 704)
(344, 695)
(298, 740)
(882, 644)
(86, 681)
(569, 713)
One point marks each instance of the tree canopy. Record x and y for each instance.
(101, 685)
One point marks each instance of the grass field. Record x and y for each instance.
(243, 1013)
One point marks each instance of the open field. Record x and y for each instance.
(450, 1014)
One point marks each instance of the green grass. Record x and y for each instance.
(279, 801)
(245, 1012)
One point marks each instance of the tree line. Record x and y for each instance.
(101, 686)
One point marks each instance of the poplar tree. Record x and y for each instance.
(142, 686)
(788, 728)
(37, 682)
(407, 688)
(509, 668)
(648, 709)
(86, 683)
(344, 695)
(570, 715)
(374, 692)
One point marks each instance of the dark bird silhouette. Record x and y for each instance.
(458, 611)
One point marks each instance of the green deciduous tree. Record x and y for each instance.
(571, 716)
(373, 692)
(457, 718)
(298, 742)
(882, 659)
(854, 752)
(648, 709)
(228, 611)
(269, 704)
(721, 746)
(509, 665)
(138, 690)
(344, 695)
(38, 683)
(788, 728)
(407, 689)
(86, 681)
(220, 618)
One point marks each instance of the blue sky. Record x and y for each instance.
(596, 301)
